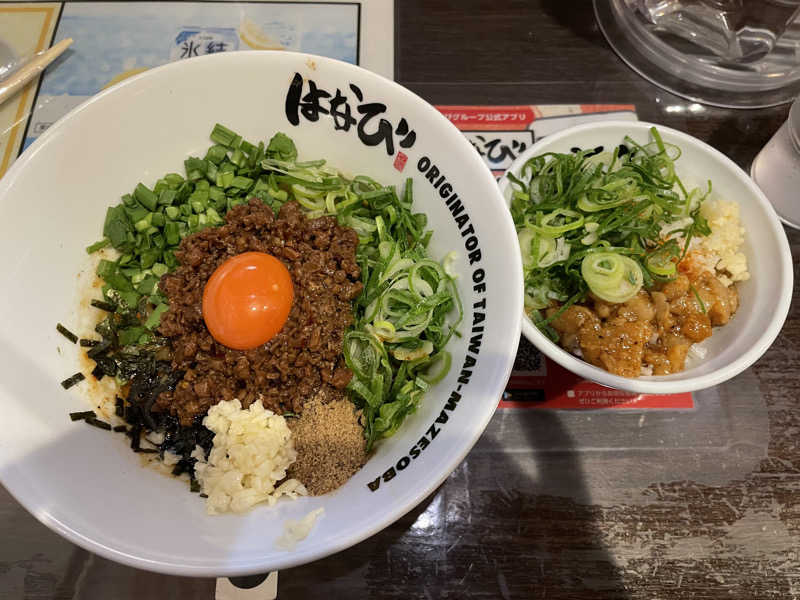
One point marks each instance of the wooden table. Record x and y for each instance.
(548, 505)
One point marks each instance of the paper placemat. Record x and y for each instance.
(115, 40)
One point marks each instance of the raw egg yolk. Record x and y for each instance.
(247, 300)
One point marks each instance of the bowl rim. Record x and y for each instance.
(653, 385)
(28, 498)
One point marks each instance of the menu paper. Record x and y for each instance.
(116, 40)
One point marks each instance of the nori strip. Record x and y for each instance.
(87, 343)
(148, 379)
(67, 333)
(98, 372)
(121, 428)
(135, 434)
(102, 305)
(70, 381)
(107, 364)
(99, 349)
(180, 467)
(80, 416)
(98, 423)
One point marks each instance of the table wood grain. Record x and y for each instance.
(547, 505)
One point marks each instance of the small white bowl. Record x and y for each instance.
(764, 298)
(85, 483)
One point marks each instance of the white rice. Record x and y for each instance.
(253, 448)
(296, 531)
(697, 351)
(720, 252)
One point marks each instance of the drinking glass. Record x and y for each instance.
(776, 169)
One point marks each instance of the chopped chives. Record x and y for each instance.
(159, 269)
(222, 135)
(70, 381)
(99, 245)
(145, 197)
(155, 317)
(144, 224)
(237, 157)
(242, 183)
(66, 333)
(173, 180)
(699, 299)
(167, 197)
(217, 153)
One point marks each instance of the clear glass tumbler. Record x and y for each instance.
(776, 169)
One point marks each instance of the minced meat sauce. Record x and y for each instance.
(653, 330)
(305, 357)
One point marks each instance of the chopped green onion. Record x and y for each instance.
(699, 299)
(155, 317)
(99, 245)
(570, 207)
(662, 262)
(612, 277)
(145, 197)
(222, 135)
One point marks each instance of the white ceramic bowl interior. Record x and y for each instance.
(764, 299)
(85, 483)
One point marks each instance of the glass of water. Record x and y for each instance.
(776, 169)
(734, 53)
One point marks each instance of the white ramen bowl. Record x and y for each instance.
(85, 483)
(764, 298)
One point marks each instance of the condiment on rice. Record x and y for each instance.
(330, 445)
(253, 449)
(720, 251)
